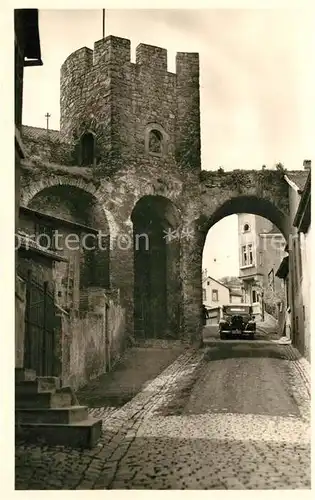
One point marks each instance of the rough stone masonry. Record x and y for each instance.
(129, 148)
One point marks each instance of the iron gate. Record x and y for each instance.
(41, 328)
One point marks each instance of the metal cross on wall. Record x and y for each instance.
(47, 115)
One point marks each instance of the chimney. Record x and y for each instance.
(307, 164)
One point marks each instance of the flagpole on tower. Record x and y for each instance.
(103, 23)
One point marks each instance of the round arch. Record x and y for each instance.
(157, 284)
(246, 204)
(160, 207)
(74, 212)
(30, 190)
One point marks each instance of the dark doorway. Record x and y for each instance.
(87, 149)
(157, 291)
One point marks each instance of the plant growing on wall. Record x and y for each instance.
(280, 167)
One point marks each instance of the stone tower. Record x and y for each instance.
(137, 126)
(120, 114)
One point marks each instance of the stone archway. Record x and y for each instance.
(212, 212)
(245, 204)
(90, 265)
(252, 263)
(157, 289)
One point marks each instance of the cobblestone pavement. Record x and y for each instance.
(179, 433)
(138, 365)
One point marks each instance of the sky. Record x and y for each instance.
(256, 77)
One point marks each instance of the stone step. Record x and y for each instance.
(40, 384)
(64, 415)
(47, 399)
(22, 374)
(83, 434)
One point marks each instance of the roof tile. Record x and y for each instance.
(299, 178)
(46, 145)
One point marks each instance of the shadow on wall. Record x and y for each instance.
(92, 341)
(157, 291)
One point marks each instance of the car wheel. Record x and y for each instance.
(222, 336)
(251, 336)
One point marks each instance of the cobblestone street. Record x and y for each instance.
(235, 415)
(163, 249)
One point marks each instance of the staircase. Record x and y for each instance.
(47, 413)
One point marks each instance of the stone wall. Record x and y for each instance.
(91, 340)
(120, 103)
(116, 325)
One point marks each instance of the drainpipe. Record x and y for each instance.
(107, 342)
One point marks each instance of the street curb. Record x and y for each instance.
(302, 365)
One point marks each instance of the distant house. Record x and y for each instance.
(214, 292)
(236, 297)
(261, 249)
(235, 286)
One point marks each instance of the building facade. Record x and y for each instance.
(214, 293)
(298, 263)
(302, 222)
(236, 297)
(261, 249)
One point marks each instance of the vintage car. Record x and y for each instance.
(237, 319)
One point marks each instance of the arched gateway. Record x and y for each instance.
(157, 205)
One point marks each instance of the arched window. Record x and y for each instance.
(87, 149)
(246, 228)
(155, 142)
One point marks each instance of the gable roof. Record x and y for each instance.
(219, 282)
(298, 177)
(27, 31)
(302, 218)
(36, 133)
(45, 145)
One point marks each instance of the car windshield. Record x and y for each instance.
(237, 309)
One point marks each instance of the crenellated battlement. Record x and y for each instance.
(104, 93)
(79, 62)
(150, 56)
(117, 51)
(112, 49)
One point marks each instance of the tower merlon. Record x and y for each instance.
(112, 49)
(187, 65)
(78, 63)
(151, 56)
